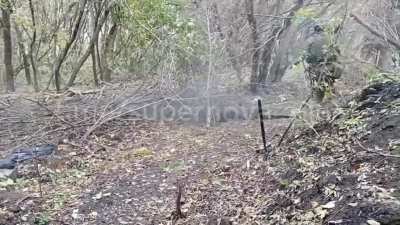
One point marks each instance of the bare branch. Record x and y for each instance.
(375, 32)
(376, 152)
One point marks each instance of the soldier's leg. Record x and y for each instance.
(318, 94)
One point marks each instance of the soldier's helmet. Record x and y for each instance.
(318, 29)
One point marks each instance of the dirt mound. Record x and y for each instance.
(345, 171)
(379, 107)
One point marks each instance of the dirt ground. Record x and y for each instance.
(133, 178)
(128, 172)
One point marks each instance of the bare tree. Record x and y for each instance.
(271, 66)
(254, 45)
(226, 36)
(22, 51)
(61, 58)
(98, 24)
(32, 47)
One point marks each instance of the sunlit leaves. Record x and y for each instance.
(154, 29)
(305, 14)
(153, 20)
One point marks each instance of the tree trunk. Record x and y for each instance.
(254, 44)
(89, 51)
(8, 54)
(60, 60)
(32, 47)
(25, 58)
(217, 22)
(95, 77)
(274, 70)
(266, 58)
(107, 51)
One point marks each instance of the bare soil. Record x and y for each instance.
(128, 171)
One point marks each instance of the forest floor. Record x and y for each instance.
(128, 171)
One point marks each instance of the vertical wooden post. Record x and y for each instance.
(260, 112)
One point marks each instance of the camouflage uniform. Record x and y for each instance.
(321, 65)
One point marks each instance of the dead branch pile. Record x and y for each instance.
(27, 121)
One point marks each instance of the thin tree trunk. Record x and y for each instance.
(8, 54)
(216, 21)
(107, 51)
(233, 58)
(25, 58)
(98, 58)
(95, 77)
(60, 60)
(268, 48)
(254, 45)
(32, 47)
(88, 52)
(210, 72)
(267, 69)
(54, 43)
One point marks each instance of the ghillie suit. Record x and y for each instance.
(321, 65)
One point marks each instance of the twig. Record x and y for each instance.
(335, 117)
(376, 152)
(375, 32)
(4, 103)
(269, 16)
(51, 112)
(114, 114)
(39, 177)
(292, 122)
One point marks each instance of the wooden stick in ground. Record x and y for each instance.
(178, 202)
(261, 114)
(292, 122)
(178, 214)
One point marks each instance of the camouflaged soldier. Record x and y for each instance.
(321, 64)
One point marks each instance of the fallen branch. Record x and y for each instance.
(292, 122)
(71, 92)
(51, 112)
(4, 103)
(114, 114)
(376, 152)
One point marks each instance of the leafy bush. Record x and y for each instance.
(155, 32)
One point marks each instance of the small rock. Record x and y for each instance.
(355, 204)
(373, 222)
(75, 214)
(329, 205)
